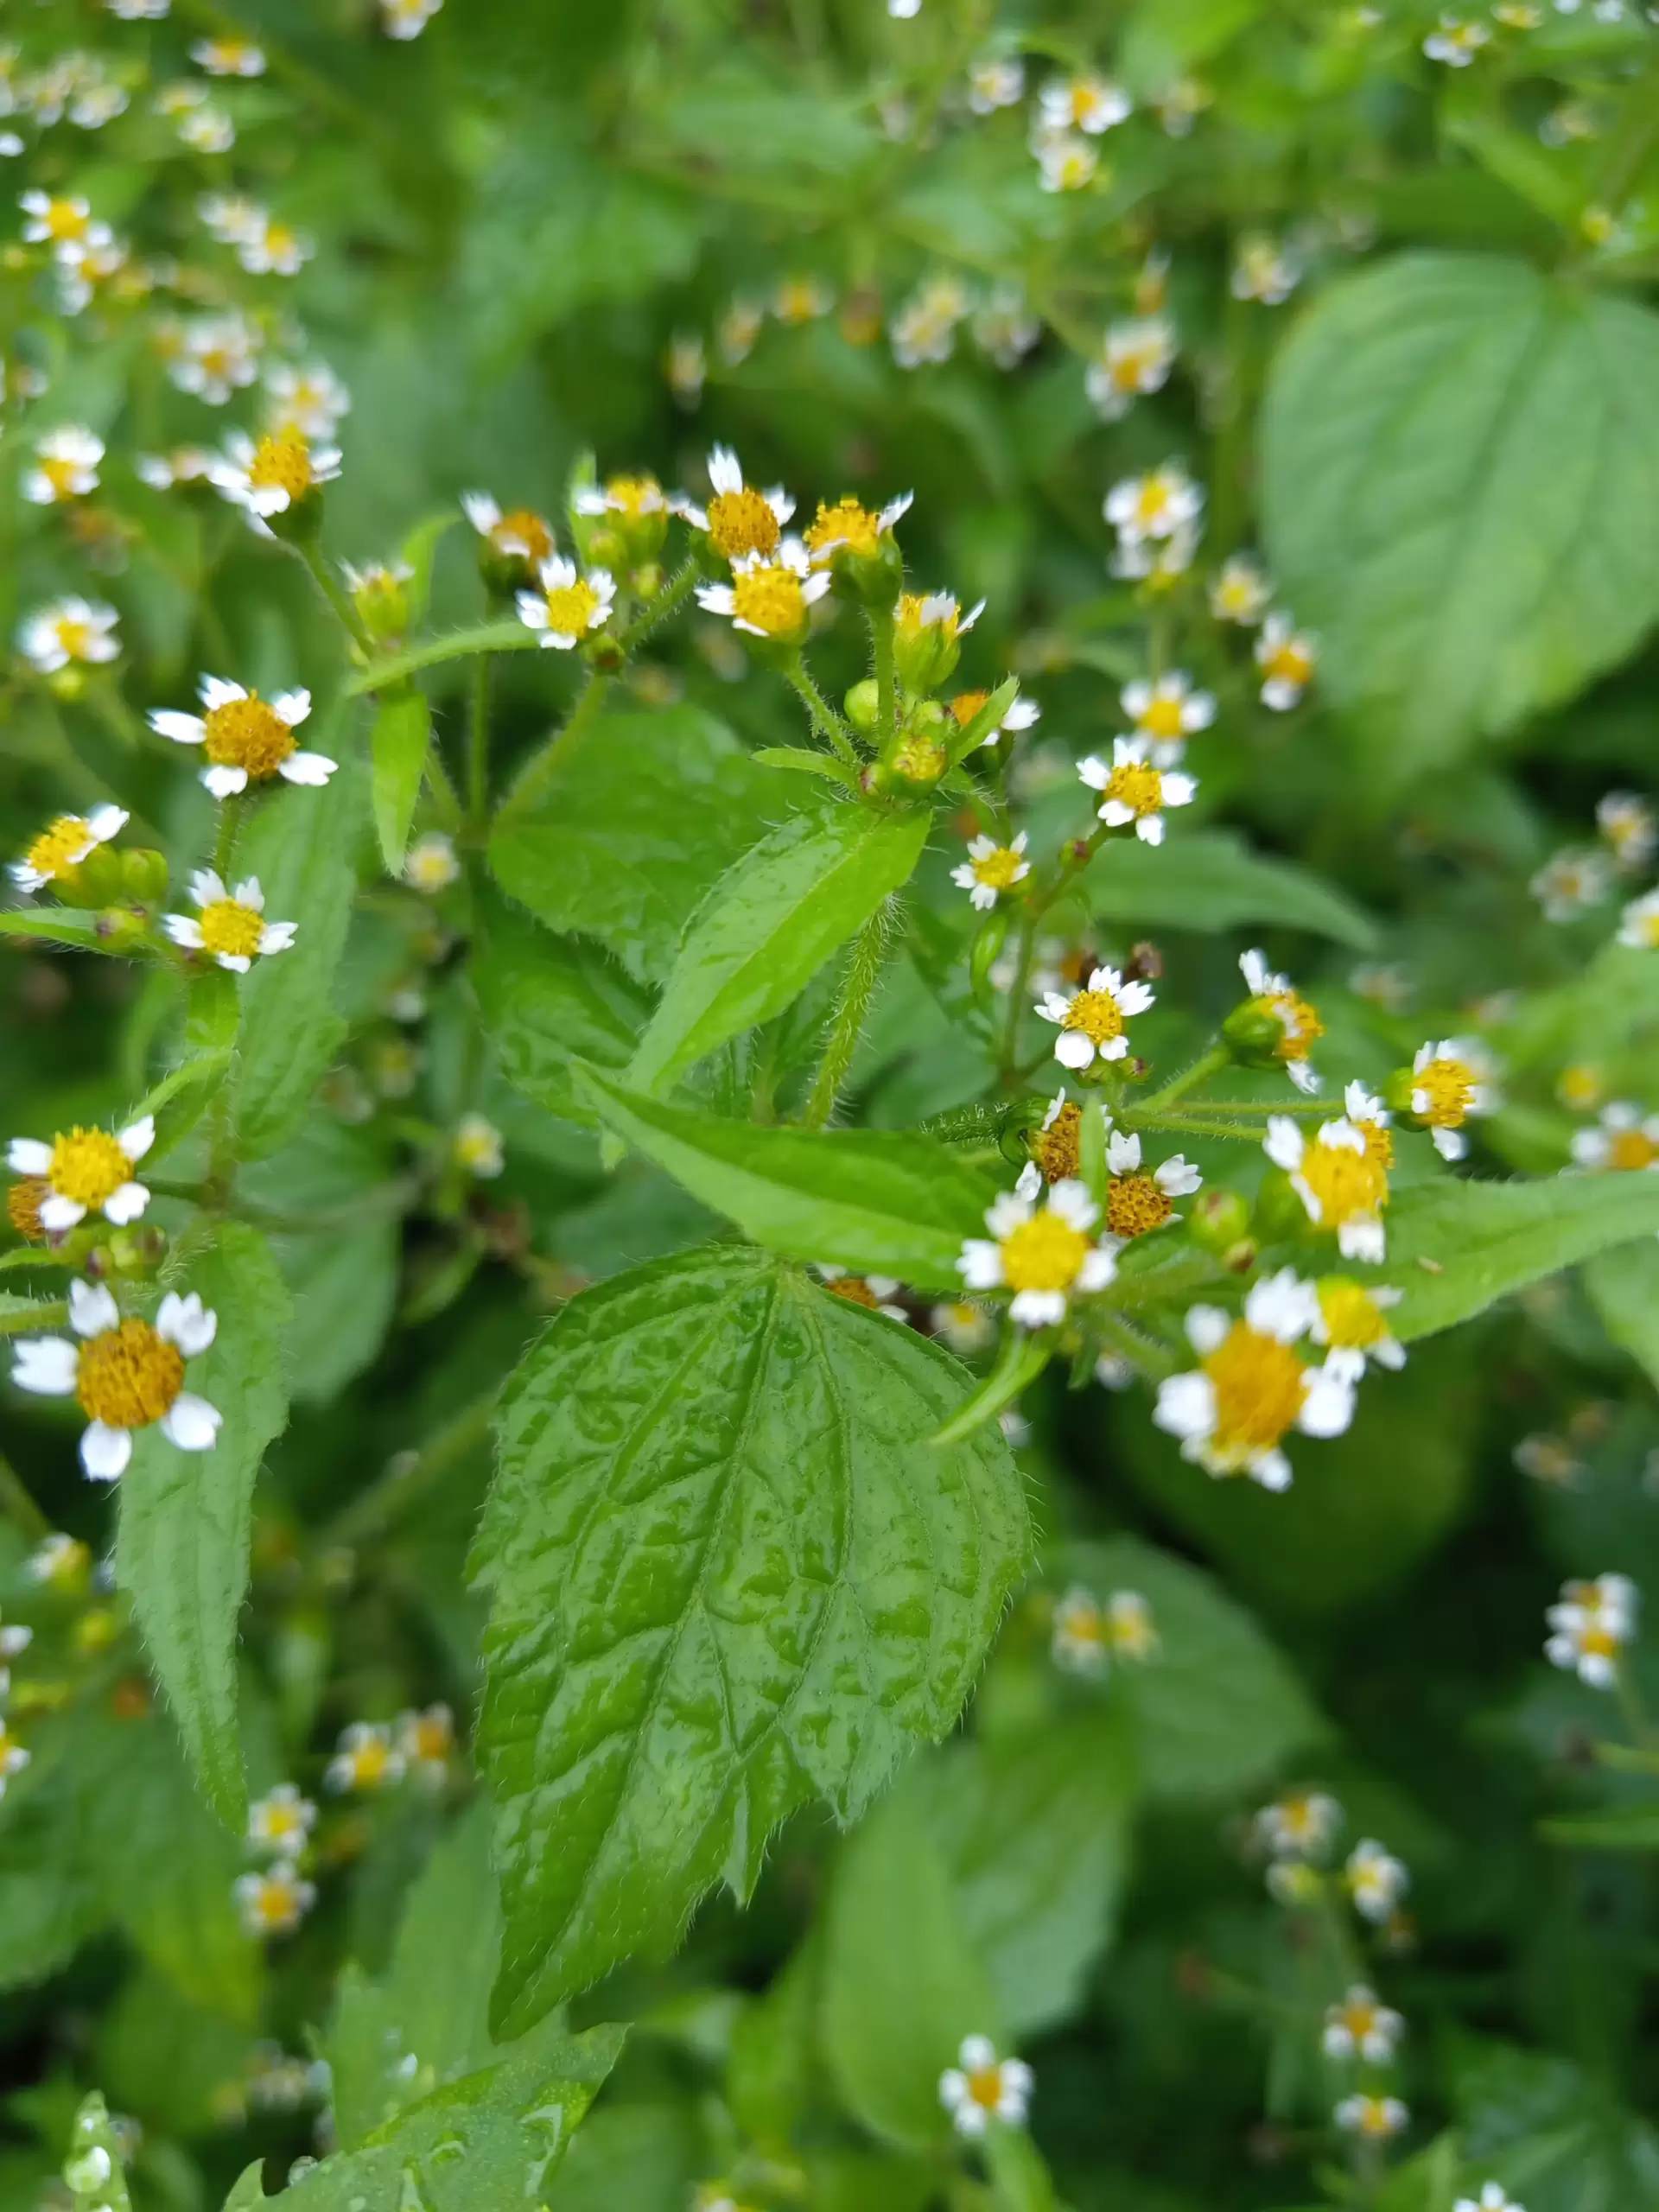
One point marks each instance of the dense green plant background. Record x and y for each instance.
(1444, 446)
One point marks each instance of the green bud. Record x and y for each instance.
(143, 875)
(122, 929)
(1253, 1034)
(99, 880)
(1217, 1220)
(862, 704)
(380, 594)
(1396, 1092)
(606, 653)
(138, 1250)
(926, 652)
(1279, 1212)
(872, 580)
(607, 547)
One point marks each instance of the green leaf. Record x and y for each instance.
(402, 730)
(344, 1286)
(1166, 40)
(804, 762)
(548, 1002)
(185, 1516)
(636, 815)
(724, 1581)
(878, 1201)
(1455, 1247)
(1460, 476)
(1624, 1827)
(489, 2140)
(418, 553)
(902, 1984)
(1211, 881)
(457, 645)
(769, 924)
(303, 845)
(59, 925)
(1623, 1284)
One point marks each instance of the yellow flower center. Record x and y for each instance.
(999, 869)
(855, 1290)
(1259, 1383)
(369, 1764)
(280, 1822)
(522, 536)
(571, 608)
(742, 522)
(985, 2086)
(228, 926)
(1085, 1623)
(23, 1207)
(1059, 1152)
(129, 1377)
(247, 734)
(921, 759)
(1151, 502)
(87, 1165)
(1163, 716)
(1235, 596)
(75, 637)
(769, 598)
(846, 527)
(431, 1738)
(61, 475)
(1353, 1320)
(58, 851)
(1346, 1184)
(966, 705)
(1134, 1204)
(1629, 1150)
(1097, 1013)
(1358, 2019)
(1448, 1089)
(634, 496)
(911, 622)
(1297, 1818)
(1297, 1021)
(1597, 1641)
(1045, 1253)
(1137, 786)
(1373, 2116)
(1289, 663)
(64, 220)
(275, 1904)
(282, 239)
(1379, 1144)
(1129, 369)
(282, 462)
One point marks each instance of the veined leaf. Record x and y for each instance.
(724, 1579)
(1460, 476)
(878, 1201)
(1211, 881)
(185, 1516)
(768, 926)
(398, 743)
(552, 1000)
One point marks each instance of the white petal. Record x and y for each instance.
(28, 1156)
(224, 782)
(1071, 1200)
(1283, 1142)
(306, 768)
(1095, 773)
(1186, 1405)
(278, 936)
(137, 1137)
(106, 822)
(1451, 1144)
(1272, 1469)
(185, 1322)
(1123, 1153)
(1206, 1328)
(1328, 1406)
(291, 706)
(105, 1452)
(980, 1264)
(191, 1423)
(1150, 828)
(1099, 1268)
(1114, 814)
(183, 730)
(92, 1309)
(1073, 1050)
(126, 1204)
(47, 1366)
(1363, 1239)
(218, 691)
(1030, 1180)
(1038, 1309)
(59, 1213)
(1177, 790)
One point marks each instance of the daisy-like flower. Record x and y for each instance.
(138, 11)
(65, 467)
(219, 356)
(1005, 330)
(1639, 925)
(1625, 1141)
(280, 1820)
(1135, 359)
(1375, 1880)
(1301, 1826)
(1022, 715)
(477, 1147)
(1300, 1026)
(1252, 1386)
(875, 1293)
(996, 81)
(848, 527)
(925, 328)
(980, 2088)
(1336, 1177)
(406, 19)
(86, 1171)
(1157, 563)
(310, 402)
(204, 128)
(1239, 591)
(1286, 657)
(1139, 784)
(1087, 103)
(14, 1756)
(1087, 1635)
(1359, 2027)
(924, 618)
(633, 497)
(365, 1760)
(566, 605)
(1452, 1082)
(430, 864)
(1629, 826)
(1571, 882)
(228, 57)
(1549, 1459)
(78, 630)
(245, 739)
(274, 1901)
(426, 1741)
(740, 521)
(1091, 1021)
(270, 475)
(66, 224)
(737, 330)
(1157, 506)
(519, 534)
(165, 472)
(991, 869)
(1266, 271)
(964, 1325)
(1457, 41)
(1138, 1200)
(1067, 162)
(1493, 2198)
(1581, 1086)
(125, 1373)
(63, 1561)
(276, 248)
(1374, 2118)
(1046, 1255)
(1056, 1148)
(1350, 1323)
(768, 596)
(1590, 1625)
(801, 299)
(1167, 707)
(232, 927)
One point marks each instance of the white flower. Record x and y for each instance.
(1302, 1825)
(1457, 42)
(1452, 1082)
(876, 1293)
(990, 869)
(1044, 1256)
(232, 927)
(1351, 1325)
(1156, 561)
(1239, 591)
(739, 520)
(205, 129)
(425, 1741)
(1085, 103)
(1338, 1178)
(848, 526)
(1138, 1201)
(311, 401)
(217, 356)
(66, 224)
(1492, 2198)
(1376, 1880)
(430, 864)
(1376, 2117)
(1252, 1387)
(126, 1374)
(1590, 1625)
(1627, 824)
(1135, 359)
(1004, 326)
(1167, 707)
(280, 1820)
(685, 365)
(184, 465)
(1571, 881)
(519, 535)
(965, 1327)
(567, 606)
(1286, 657)
(980, 2088)
(477, 1147)
(65, 466)
(79, 630)
(1358, 2027)
(365, 1760)
(1138, 785)
(1156, 505)
(1625, 1141)
(1067, 162)
(924, 327)
(1298, 1025)
(1091, 1021)
(1639, 922)
(997, 80)
(1265, 271)
(274, 1901)
(1087, 1635)
(405, 19)
(1022, 715)
(276, 248)
(88, 1171)
(60, 1558)
(769, 596)
(269, 475)
(246, 739)
(138, 11)
(228, 57)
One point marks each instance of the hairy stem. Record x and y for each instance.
(825, 719)
(852, 1008)
(478, 745)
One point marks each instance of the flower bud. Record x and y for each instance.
(122, 929)
(1253, 1034)
(926, 640)
(1219, 1219)
(862, 705)
(143, 875)
(99, 880)
(1279, 1212)
(138, 1250)
(380, 594)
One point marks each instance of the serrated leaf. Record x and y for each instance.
(1460, 481)
(1211, 881)
(878, 1201)
(636, 818)
(767, 927)
(303, 845)
(397, 746)
(550, 1000)
(181, 1548)
(724, 1581)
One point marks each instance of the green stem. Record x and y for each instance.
(478, 745)
(1008, 1059)
(52, 1314)
(329, 584)
(534, 776)
(852, 1008)
(824, 719)
(672, 596)
(887, 695)
(1151, 1359)
(230, 820)
(1206, 1065)
(17, 1505)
